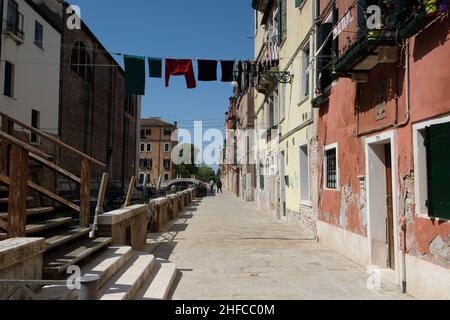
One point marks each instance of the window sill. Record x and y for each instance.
(305, 99)
(426, 216)
(38, 46)
(328, 189)
(306, 204)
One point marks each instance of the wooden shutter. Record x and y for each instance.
(438, 153)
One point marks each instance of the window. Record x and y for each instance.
(142, 147)
(149, 147)
(141, 163)
(35, 123)
(167, 132)
(166, 177)
(304, 174)
(298, 3)
(282, 20)
(261, 176)
(80, 62)
(432, 173)
(166, 163)
(148, 132)
(166, 147)
(305, 73)
(8, 89)
(141, 178)
(331, 168)
(330, 50)
(14, 22)
(143, 134)
(38, 34)
(283, 102)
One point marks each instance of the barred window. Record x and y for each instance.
(331, 168)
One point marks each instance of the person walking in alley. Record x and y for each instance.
(219, 186)
(211, 186)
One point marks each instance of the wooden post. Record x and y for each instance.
(7, 127)
(17, 204)
(100, 201)
(85, 193)
(130, 192)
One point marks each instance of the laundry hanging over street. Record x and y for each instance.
(235, 151)
(246, 73)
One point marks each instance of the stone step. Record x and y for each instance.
(58, 263)
(58, 239)
(129, 280)
(5, 200)
(108, 263)
(160, 281)
(47, 224)
(31, 212)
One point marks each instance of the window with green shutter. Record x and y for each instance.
(282, 20)
(298, 3)
(438, 152)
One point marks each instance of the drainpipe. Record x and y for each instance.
(406, 121)
(408, 87)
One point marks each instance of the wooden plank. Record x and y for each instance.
(7, 127)
(23, 145)
(130, 192)
(85, 193)
(45, 192)
(54, 167)
(17, 205)
(3, 225)
(53, 139)
(53, 196)
(100, 201)
(31, 212)
(6, 200)
(47, 224)
(59, 262)
(67, 236)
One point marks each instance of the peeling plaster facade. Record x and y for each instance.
(350, 216)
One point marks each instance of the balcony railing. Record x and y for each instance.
(415, 16)
(359, 47)
(14, 25)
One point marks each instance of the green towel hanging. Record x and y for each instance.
(155, 67)
(134, 75)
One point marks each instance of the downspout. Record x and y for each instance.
(403, 219)
(408, 87)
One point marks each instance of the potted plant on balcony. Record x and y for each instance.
(430, 6)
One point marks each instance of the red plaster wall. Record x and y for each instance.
(337, 123)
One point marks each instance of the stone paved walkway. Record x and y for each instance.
(229, 249)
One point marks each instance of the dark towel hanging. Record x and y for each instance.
(155, 67)
(134, 75)
(227, 71)
(207, 70)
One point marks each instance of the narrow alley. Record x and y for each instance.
(225, 248)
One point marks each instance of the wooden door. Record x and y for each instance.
(390, 209)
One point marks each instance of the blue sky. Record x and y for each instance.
(209, 29)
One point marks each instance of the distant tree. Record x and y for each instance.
(206, 174)
(187, 167)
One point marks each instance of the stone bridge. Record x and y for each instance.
(170, 183)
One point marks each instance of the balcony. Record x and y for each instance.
(14, 26)
(364, 47)
(415, 18)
